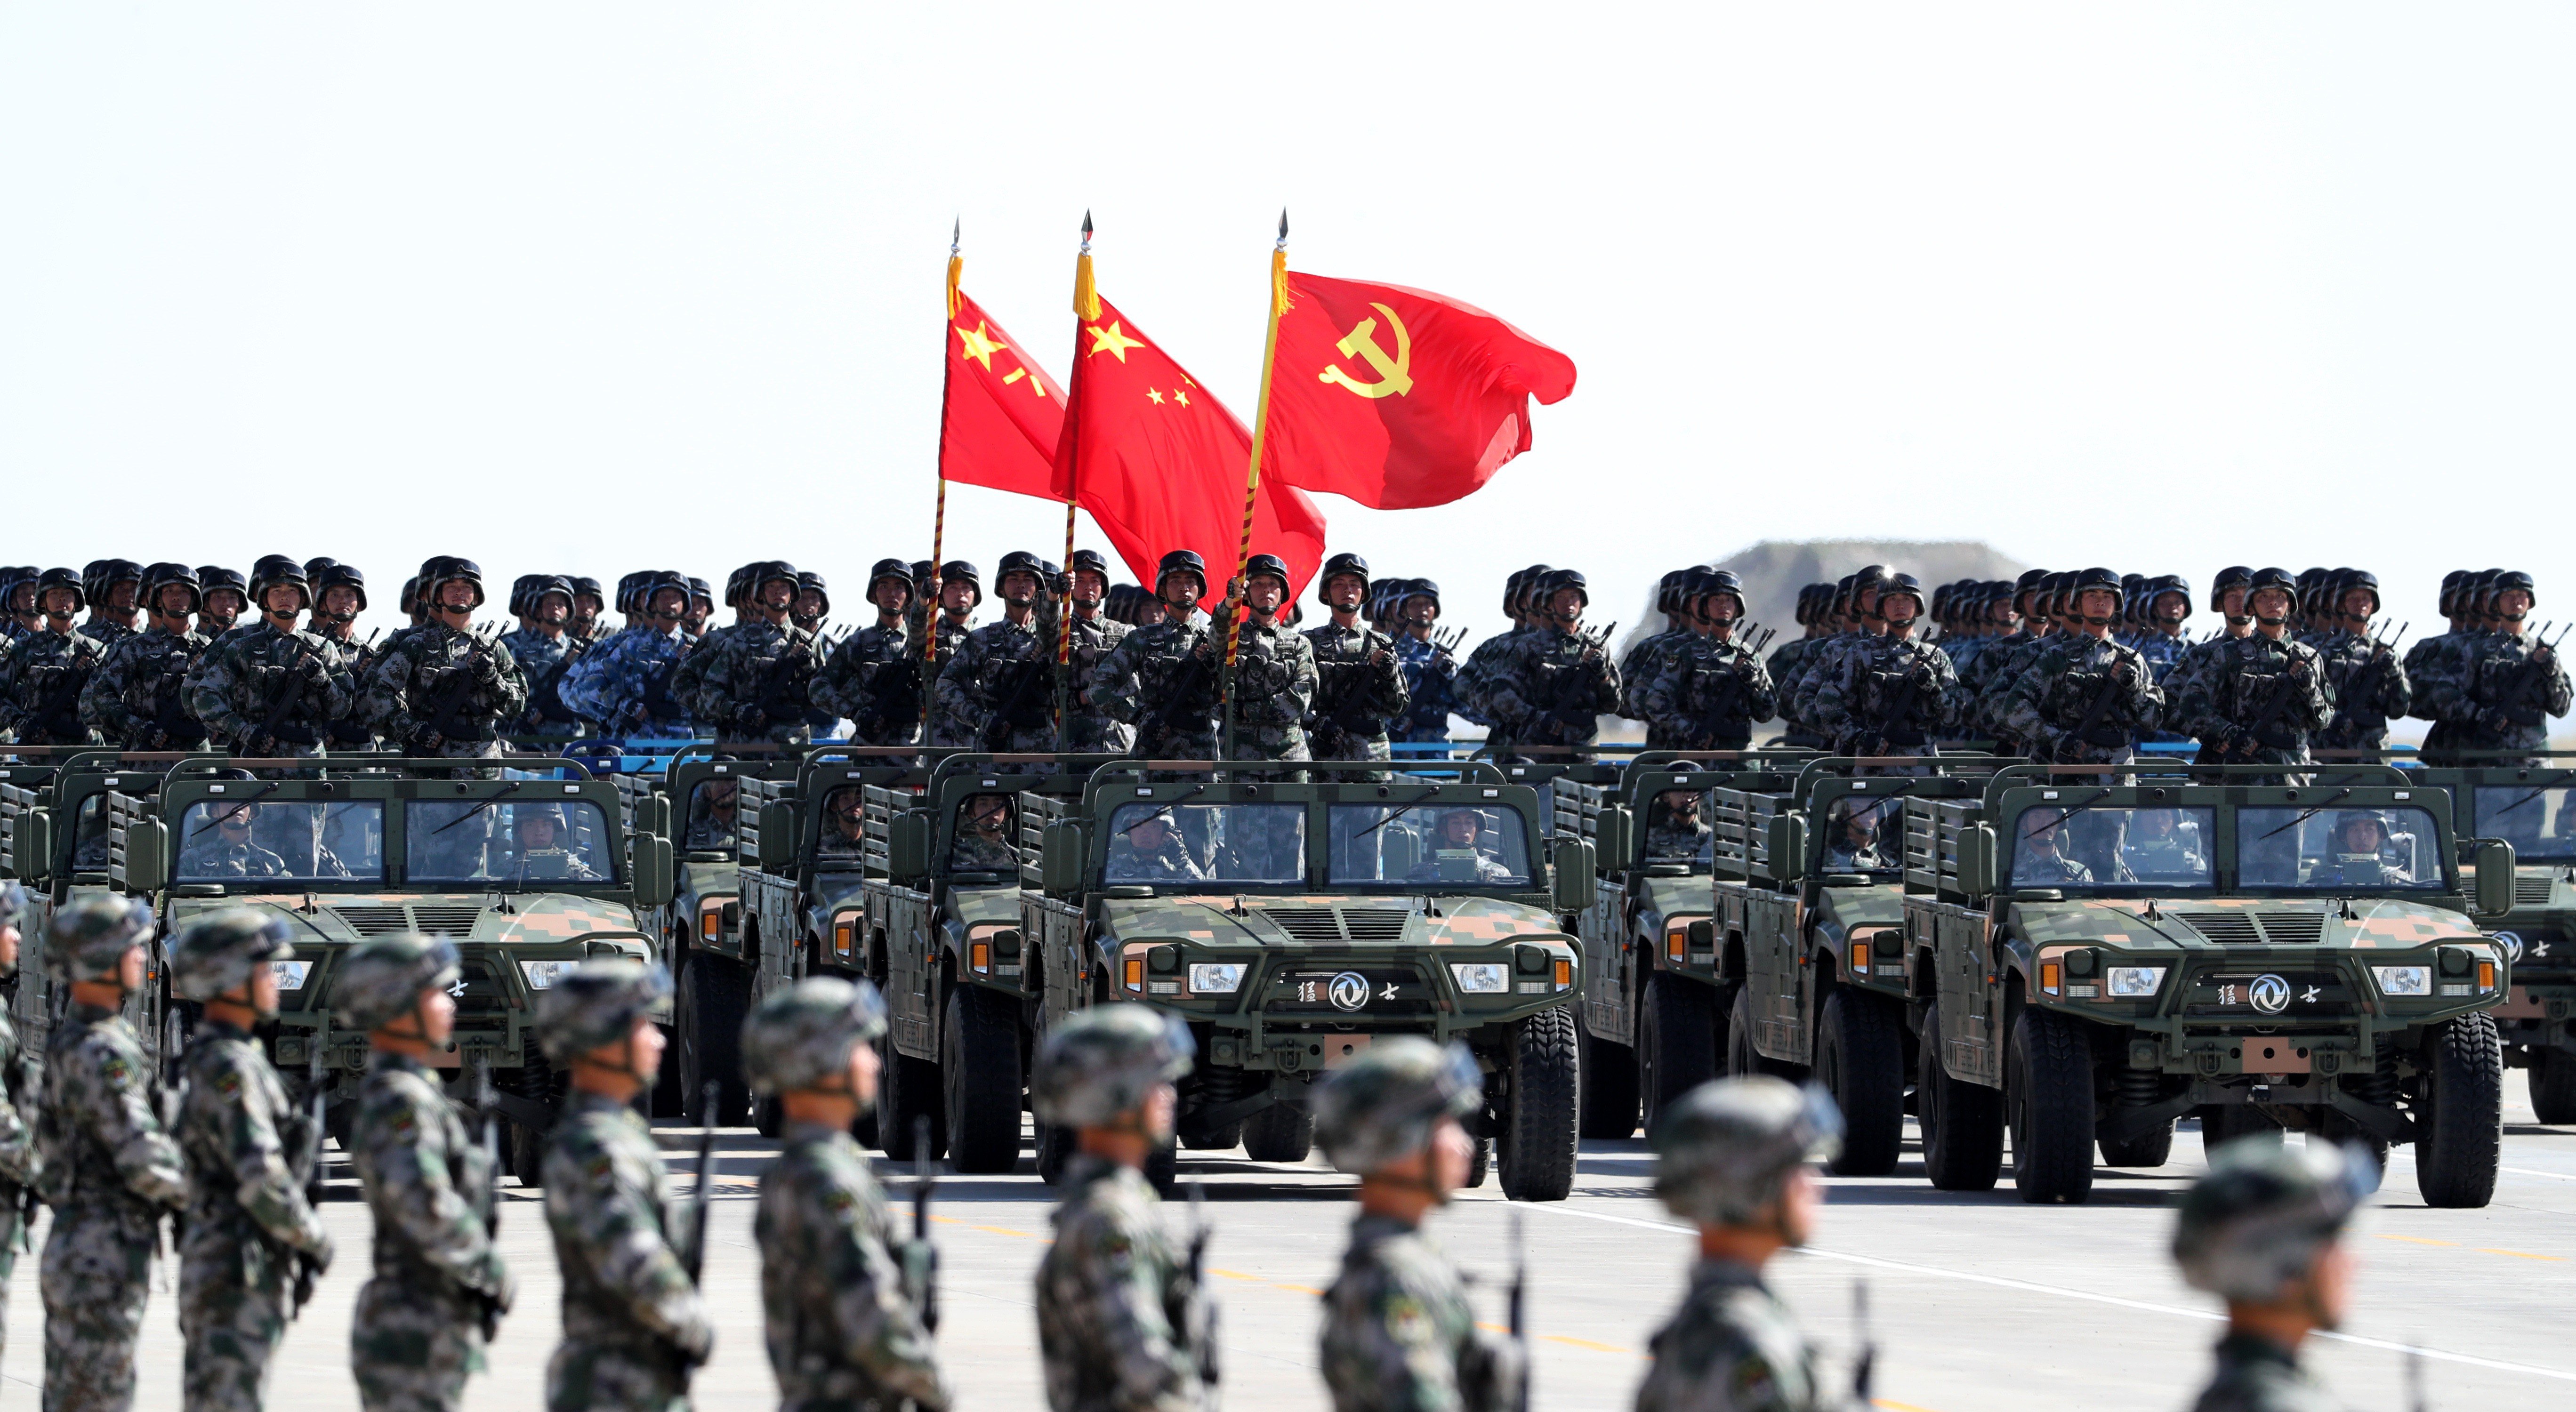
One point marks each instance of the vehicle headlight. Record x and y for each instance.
(543, 974)
(2134, 982)
(1216, 977)
(290, 974)
(2403, 980)
(1482, 977)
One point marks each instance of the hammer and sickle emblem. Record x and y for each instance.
(1395, 375)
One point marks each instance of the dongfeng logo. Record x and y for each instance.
(1349, 991)
(2269, 994)
(2512, 945)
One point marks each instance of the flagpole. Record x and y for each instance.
(939, 514)
(1252, 473)
(1086, 305)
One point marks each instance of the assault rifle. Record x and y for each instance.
(174, 727)
(1188, 690)
(892, 693)
(1010, 714)
(921, 1258)
(310, 1160)
(441, 724)
(1900, 713)
(772, 706)
(1575, 721)
(283, 700)
(2090, 723)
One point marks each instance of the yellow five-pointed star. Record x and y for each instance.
(1112, 340)
(980, 343)
(1181, 397)
(1154, 397)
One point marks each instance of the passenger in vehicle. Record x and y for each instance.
(2037, 861)
(1673, 829)
(222, 847)
(1854, 847)
(1150, 850)
(1455, 856)
(538, 833)
(984, 836)
(2362, 855)
(711, 817)
(844, 823)
(2161, 848)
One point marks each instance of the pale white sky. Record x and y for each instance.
(592, 287)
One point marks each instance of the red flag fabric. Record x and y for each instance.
(1399, 398)
(1002, 415)
(1160, 463)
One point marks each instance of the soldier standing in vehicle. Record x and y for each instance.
(272, 690)
(1274, 669)
(17, 604)
(1123, 1322)
(2433, 647)
(690, 677)
(844, 1322)
(998, 692)
(1888, 695)
(634, 1324)
(1711, 690)
(2256, 699)
(105, 1164)
(1163, 679)
(1360, 687)
(873, 677)
(586, 605)
(1673, 829)
(1088, 729)
(222, 597)
(2508, 684)
(1790, 658)
(43, 675)
(1430, 673)
(1398, 1332)
(545, 651)
(755, 683)
(115, 592)
(20, 1076)
(1520, 589)
(1734, 1158)
(1551, 685)
(1856, 607)
(253, 1245)
(2081, 698)
(2227, 599)
(2368, 682)
(1646, 660)
(339, 596)
(445, 692)
(624, 684)
(440, 1287)
(2263, 1230)
(137, 698)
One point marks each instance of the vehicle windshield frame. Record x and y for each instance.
(199, 813)
(2207, 815)
(1500, 821)
(1133, 813)
(606, 851)
(2254, 822)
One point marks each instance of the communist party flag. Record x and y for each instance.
(1160, 463)
(1399, 398)
(1002, 414)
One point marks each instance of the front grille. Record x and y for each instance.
(447, 921)
(2295, 928)
(2225, 928)
(372, 921)
(1374, 923)
(2532, 892)
(2268, 997)
(1362, 992)
(1339, 923)
(477, 989)
(1305, 923)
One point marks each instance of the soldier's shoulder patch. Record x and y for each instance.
(229, 1083)
(1751, 1380)
(601, 1166)
(1406, 1320)
(114, 1069)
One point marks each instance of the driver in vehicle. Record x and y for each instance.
(2037, 862)
(711, 817)
(222, 847)
(2361, 855)
(1150, 850)
(538, 832)
(1674, 830)
(984, 837)
(844, 823)
(1854, 845)
(1454, 856)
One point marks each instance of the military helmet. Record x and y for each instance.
(88, 938)
(1722, 1152)
(2256, 1220)
(11, 576)
(1668, 590)
(1383, 1105)
(1021, 561)
(1336, 566)
(2233, 576)
(543, 584)
(214, 576)
(1556, 581)
(597, 1003)
(99, 575)
(2448, 603)
(518, 607)
(2030, 582)
(273, 570)
(736, 583)
(160, 576)
(1900, 586)
(1266, 566)
(2510, 579)
(2352, 579)
(1418, 588)
(1805, 612)
(2272, 578)
(1524, 593)
(960, 571)
(1103, 1061)
(1120, 605)
(627, 586)
(885, 569)
(584, 584)
(1088, 561)
(1180, 561)
(52, 579)
(218, 953)
(342, 576)
(409, 598)
(807, 581)
(801, 1037)
(1718, 583)
(380, 980)
(2474, 589)
(1939, 612)
(2309, 581)
(700, 588)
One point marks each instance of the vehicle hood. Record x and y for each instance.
(1329, 920)
(539, 919)
(2376, 923)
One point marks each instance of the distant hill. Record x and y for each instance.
(1774, 570)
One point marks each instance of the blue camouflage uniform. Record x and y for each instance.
(625, 685)
(1431, 689)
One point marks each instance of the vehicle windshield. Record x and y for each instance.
(1214, 843)
(2538, 820)
(2337, 850)
(843, 842)
(711, 817)
(222, 841)
(1677, 831)
(985, 836)
(2113, 847)
(1865, 836)
(517, 842)
(1430, 843)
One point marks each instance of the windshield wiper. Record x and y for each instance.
(2535, 794)
(514, 788)
(2321, 807)
(231, 807)
(1428, 790)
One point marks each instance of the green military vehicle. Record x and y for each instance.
(1810, 949)
(2532, 807)
(528, 876)
(2088, 962)
(1291, 924)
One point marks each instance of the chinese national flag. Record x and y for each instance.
(1398, 398)
(1003, 414)
(1160, 463)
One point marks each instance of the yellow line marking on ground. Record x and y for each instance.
(1237, 1275)
(2415, 1240)
(1004, 1230)
(1585, 1343)
(1300, 1289)
(1897, 1406)
(2517, 1254)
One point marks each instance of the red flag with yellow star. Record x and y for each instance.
(1396, 397)
(1160, 463)
(1003, 414)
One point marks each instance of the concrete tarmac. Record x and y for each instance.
(1979, 1302)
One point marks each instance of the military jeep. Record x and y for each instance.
(2533, 808)
(1291, 924)
(2091, 956)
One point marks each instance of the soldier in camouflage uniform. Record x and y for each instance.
(104, 1163)
(2081, 698)
(446, 692)
(271, 690)
(1274, 669)
(339, 596)
(755, 683)
(115, 591)
(1888, 695)
(1152, 850)
(874, 677)
(1733, 1158)
(137, 698)
(42, 678)
(1645, 661)
(586, 605)
(1162, 680)
(998, 692)
(1088, 729)
(983, 842)
(690, 677)
(2367, 681)
(1673, 829)
(1359, 683)
(1551, 686)
(2256, 699)
(1790, 658)
(843, 1295)
(1984, 693)
(545, 650)
(624, 684)
(440, 1287)
(1856, 606)
(1398, 1330)
(2263, 1230)
(252, 1242)
(20, 1078)
(1519, 590)
(2436, 647)
(2227, 599)
(2505, 684)
(222, 597)
(1711, 691)
(17, 604)
(1430, 673)
(1123, 1322)
(634, 1324)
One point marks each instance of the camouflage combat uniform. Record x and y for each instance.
(1785, 663)
(111, 1174)
(624, 685)
(1430, 688)
(2256, 700)
(1087, 729)
(543, 662)
(103, 632)
(2428, 663)
(1859, 705)
(418, 1332)
(2369, 688)
(417, 678)
(1798, 693)
(1988, 699)
(22, 1078)
(138, 700)
(1731, 1347)
(2066, 676)
(1162, 680)
(1399, 1334)
(998, 692)
(1115, 1299)
(41, 681)
(2497, 697)
(247, 1217)
(255, 676)
(1350, 719)
(2256, 1375)
(1682, 704)
(974, 850)
(1674, 841)
(351, 732)
(633, 1321)
(842, 1334)
(1274, 681)
(873, 679)
(1476, 674)
(1643, 664)
(1548, 688)
(755, 683)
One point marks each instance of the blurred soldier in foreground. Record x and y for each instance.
(844, 1328)
(1123, 1322)
(1359, 687)
(2263, 1230)
(19, 1076)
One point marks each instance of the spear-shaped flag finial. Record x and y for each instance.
(1283, 225)
(956, 231)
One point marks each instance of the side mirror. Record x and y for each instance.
(147, 856)
(777, 836)
(908, 846)
(34, 853)
(1060, 850)
(1572, 862)
(2494, 893)
(656, 816)
(1977, 862)
(649, 856)
(1615, 842)
(1787, 845)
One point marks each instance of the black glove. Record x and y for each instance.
(296, 733)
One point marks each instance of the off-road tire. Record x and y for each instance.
(2553, 1086)
(2048, 1094)
(1677, 1042)
(2460, 1123)
(1282, 1132)
(669, 1095)
(1860, 1059)
(1539, 1133)
(2150, 1149)
(979, 1075)
(524, 1152)
(907, 1089)
(1610, 1074)
(1480, 1165)
(1742, 1059)
(1963, 1122)
(714, 994)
